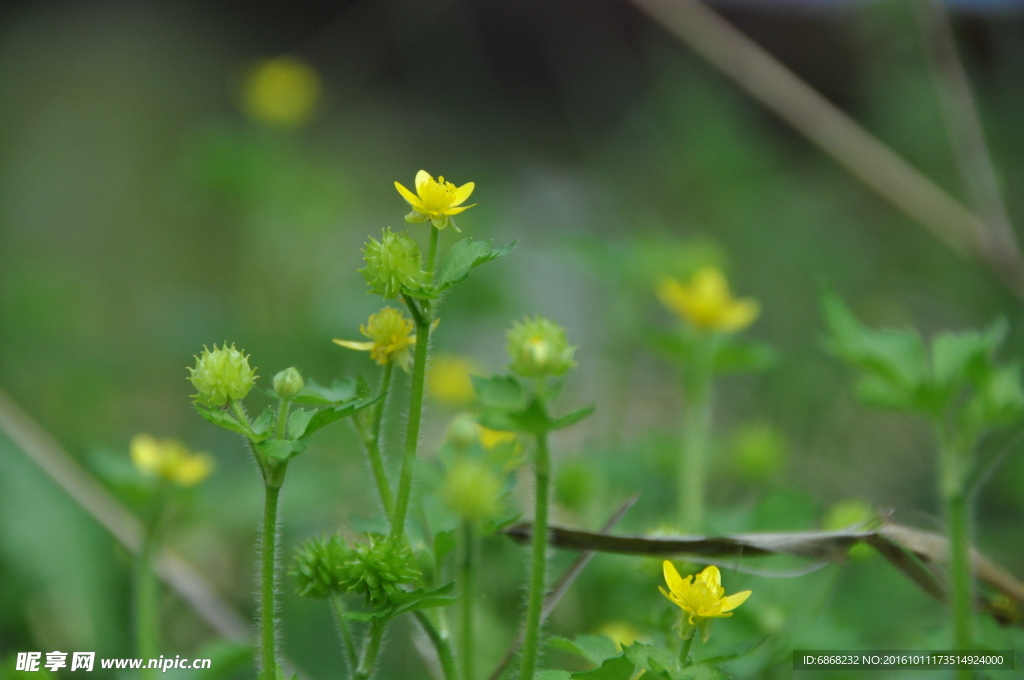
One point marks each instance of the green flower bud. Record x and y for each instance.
(539, 348)
(319, 566)
(392, 263)
(220, 375)
(378, 569)
(288, 383)
(472, 491)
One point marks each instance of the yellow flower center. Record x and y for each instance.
(437, 195)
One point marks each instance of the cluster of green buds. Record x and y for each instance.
(320, 565)
(392, 263)
(539, 348)
(378, 569)
(221, 374)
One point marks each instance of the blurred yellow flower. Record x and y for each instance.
(449, 380)
(620, 632)
(283, 91)
(707, 303)
(169, 459)
(391, 337)
(492, 439)
(702, 598)
(435, 200)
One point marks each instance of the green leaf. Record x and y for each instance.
(594, 648)
(281, 449)
(881, 393)
(894, 355)
(571, 419)
(466, 255)
(957, 357)
(499, 392)
(999, 399)
(298, 420)
(553, 675)
(421, 599)
(340, 392)
(261, 427)
(327, 416)
(653, 659)
(359, 616)
(619, 668)
(222, 418)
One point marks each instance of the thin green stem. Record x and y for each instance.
(467, 598)
(441, 645)
(282, 418)
(684, 653)
(954, 456)
(347, 643)
(692, 466)
(412, 431)
(147, 587)
(432, 252)
(268, 559)
(371, 441)
(538, 567)
(370, 650)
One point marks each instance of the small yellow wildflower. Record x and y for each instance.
(702, 598)
(391, 337)
(169, 459)
(619, 632)
(283, 91)
(492, 439)
(435, 200)
(449, 380)
(706, 302)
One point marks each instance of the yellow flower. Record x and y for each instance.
(702, 598)
(169, 459)
(283, 91)
(449, 380)
(435, 200)
(706, 302)
(391, 335)
(619, 632)
(492, 439)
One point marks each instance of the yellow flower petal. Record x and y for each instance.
(422, 177)
(730, 602)
(456, 211)
(410, 197)
(352, 344)
(145, 453)
(739, 314)
(192, 470)
(675, 582)
(712, 576)
(462, 193)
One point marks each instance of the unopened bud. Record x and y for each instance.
(288, 383)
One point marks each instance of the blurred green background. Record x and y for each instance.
(148, 207)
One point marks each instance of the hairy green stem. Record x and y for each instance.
(432, 252)
(268, 560)
(371, 441)
(538, 566)
(467, 597)
(370, 650)
(441, 645)
(412, 431)
(954, 456)
(282, 418)
(347, 643)
(147, 588)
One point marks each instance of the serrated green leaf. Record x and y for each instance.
(874, 390)
(466, 255)
(570, 419)
(701, 671)
(594, 648)
(499, 392)
(262, 426)
(619, 668)
(738, 654)
(222, 418)
(327, 416)
(957, 357)
(653, 659)
(340, 392)
(298, 420)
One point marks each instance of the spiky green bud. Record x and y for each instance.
(538, 348)
(320, 566)
(378, 569)
(221, 374)
(392, 263)
(288, 383)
